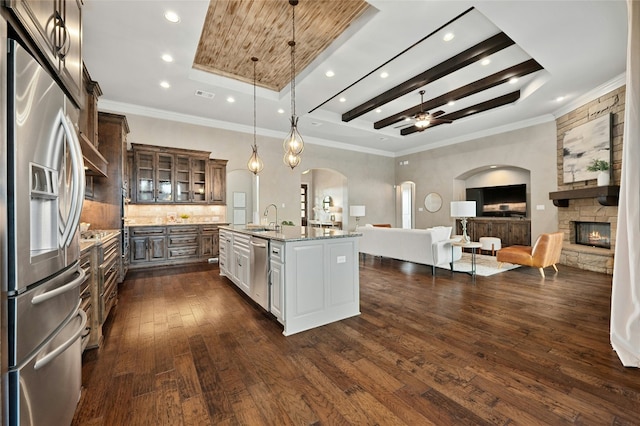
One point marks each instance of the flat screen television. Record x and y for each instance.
(500, 201)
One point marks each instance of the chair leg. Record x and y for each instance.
(541, 272)
(555, 267)
(493, 250)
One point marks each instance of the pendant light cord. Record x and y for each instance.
(292, 43)
(255, 60)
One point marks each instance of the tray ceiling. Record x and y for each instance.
(560, 49)
(234, 31)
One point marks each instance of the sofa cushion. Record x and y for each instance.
(440, 233)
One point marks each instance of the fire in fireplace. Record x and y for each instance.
(594, 234)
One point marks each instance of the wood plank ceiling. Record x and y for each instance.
(234, 31)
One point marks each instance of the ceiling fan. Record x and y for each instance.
(423, 119)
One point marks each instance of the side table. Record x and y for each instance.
(474, 248)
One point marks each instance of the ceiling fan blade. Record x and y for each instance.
(404, 125)
(440, 121)
(437, 114)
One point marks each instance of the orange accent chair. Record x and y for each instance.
(545, 252)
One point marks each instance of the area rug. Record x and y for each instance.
(485, 265)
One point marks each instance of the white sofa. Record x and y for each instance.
(430, 246)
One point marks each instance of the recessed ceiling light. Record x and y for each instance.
(451, 103)
(329, 73)
(407, 119)
(171, 16)
(448, 36)
(378, 110)
(165, 84)
(343, 99)
(280, 111)
(230, 99)
(513, 80)
(485, 61)
(493, 167)
(167, 58)
(560, 99)
(384, 74)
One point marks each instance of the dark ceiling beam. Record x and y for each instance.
(466, 112)
(379, 67)
(479, 51)
(477, 86)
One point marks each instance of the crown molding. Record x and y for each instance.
(126, 108)
(595, 93)
(481, 134)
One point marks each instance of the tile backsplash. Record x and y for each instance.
(166, 213)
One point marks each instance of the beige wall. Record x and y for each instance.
(446, 170)
(369, 177)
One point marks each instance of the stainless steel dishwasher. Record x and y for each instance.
(259, 271)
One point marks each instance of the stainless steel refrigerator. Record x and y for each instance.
(43, 179)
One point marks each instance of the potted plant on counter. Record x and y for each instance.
(602, 167)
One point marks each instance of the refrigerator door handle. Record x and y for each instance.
(58, 291)
(77, 176)
(60, 349)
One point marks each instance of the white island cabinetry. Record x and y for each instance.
(276, 279)
(313, 274)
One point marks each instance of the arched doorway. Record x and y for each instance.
(323, 198)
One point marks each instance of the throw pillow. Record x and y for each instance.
(440, 233)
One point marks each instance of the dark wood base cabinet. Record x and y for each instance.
(510, 231)
(153, 246)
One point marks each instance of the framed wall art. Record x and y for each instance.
(584, 144)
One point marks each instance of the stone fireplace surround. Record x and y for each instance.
(589, 209)
(584, 257)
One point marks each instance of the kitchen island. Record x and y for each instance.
(312, 277)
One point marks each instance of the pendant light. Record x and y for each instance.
(293, 144)
(255, 164)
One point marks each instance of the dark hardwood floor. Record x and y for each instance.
(185, 347)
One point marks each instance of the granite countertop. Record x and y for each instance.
(165, 223)
(294, 233)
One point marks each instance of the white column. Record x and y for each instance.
(625, 297)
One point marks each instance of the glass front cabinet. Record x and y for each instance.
(171, 175)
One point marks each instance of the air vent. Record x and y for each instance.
(203, 94)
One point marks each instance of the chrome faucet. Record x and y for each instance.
(266, 213)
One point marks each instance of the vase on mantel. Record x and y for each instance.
(603, 178)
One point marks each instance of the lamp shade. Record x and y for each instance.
(356, 211)
(463, 209)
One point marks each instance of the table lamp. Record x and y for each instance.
(357, 212)
(463, 210)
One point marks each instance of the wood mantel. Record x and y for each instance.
(606, 195)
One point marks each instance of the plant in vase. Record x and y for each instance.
(602, 167)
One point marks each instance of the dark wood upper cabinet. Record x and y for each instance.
(54, 28)
(164, 175)
(218, 182)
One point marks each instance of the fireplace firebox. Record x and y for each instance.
(593, 234)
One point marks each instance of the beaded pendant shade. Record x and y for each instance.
(293, 144)
(255, 164)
